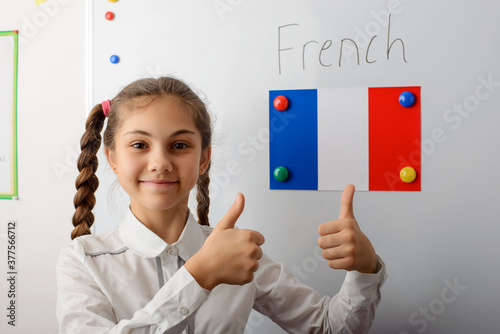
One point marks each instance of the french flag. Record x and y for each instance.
(324, 139)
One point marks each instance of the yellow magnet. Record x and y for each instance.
(408, 174)
(38, 2)
(112, 0)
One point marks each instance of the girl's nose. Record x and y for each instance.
(160, 161)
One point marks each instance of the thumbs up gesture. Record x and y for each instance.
(228, 255)
(343, 243)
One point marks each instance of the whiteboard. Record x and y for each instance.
(233, 52)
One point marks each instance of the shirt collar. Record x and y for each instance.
(144, 242)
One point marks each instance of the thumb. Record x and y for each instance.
(232, 214)
(346, 210)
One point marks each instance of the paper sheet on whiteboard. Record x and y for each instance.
(8, 168)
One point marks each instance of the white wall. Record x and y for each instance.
(51, 109)
(447, 232)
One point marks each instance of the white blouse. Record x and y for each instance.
(129, 280)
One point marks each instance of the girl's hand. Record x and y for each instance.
(343, 243)
(228, 255)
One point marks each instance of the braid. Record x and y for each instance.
(202, 196)
(87, 182)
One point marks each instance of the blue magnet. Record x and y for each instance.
(406, 99)
(114, 59)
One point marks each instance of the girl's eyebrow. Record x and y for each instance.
(181, 132)
(147, 134)
(138, 132)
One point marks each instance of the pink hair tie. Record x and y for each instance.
(106, 107)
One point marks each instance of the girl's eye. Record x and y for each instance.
(139, 146)
(179, 146)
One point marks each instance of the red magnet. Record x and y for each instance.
(280, 103)
(109, 16)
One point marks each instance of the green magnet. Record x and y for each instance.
(281, 173)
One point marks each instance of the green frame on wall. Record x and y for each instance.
(13, 193)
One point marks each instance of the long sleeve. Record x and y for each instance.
(83, 304)
(299, 309)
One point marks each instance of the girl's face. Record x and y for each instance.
(158, 156)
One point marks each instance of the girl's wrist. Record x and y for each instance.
(200, 273)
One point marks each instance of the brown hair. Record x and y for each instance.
(87, 182)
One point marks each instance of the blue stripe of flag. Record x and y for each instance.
(294, 139)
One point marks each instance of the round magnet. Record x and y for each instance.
(114, 59)
(280, 173)
(406, 99)
(109, 16)
(280, 103)
(408, 174)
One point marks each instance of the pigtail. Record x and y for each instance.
(202, 197)
(87, 182)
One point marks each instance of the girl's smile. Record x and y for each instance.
(159, 184)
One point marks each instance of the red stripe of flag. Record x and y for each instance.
(394, 138)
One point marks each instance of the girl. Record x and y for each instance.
(160, 271)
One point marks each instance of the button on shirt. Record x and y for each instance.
(129, 280)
